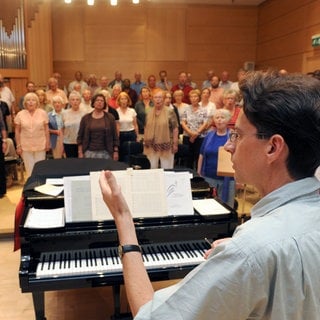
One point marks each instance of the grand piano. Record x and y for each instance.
(84, 254)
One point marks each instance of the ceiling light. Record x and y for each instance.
(135, 1)
(90, 2)
(67, 1)
(113, 2)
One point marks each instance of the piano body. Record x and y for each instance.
(84, 254)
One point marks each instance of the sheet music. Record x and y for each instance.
(49, 189)
(178, 193)
(209, 207)
(148, 193)
(55, 181)
(45, 218)
(144, 191)
(100, 211)
(77, 198)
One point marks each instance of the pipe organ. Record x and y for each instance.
(13, 42)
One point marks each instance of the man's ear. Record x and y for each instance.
(276, 148)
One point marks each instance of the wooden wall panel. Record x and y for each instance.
(230, 35)
(273, 9)
(280, 27)
(221, 16)
(220, 38)
(152, 37)
(284, 34)
(165, 37)
(67, 33)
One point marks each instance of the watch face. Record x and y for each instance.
(120, 252)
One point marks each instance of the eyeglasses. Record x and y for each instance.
(234, 136)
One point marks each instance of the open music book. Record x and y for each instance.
(149, 193)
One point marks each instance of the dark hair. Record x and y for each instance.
(94, 98)
(288, 105)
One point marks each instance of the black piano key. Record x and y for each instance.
(173, 251)
(69, 260)
(90, 259)
(164, 252)
(95, 258)
(101, 257)
(80, 259)
(162, 255)
(186, 251)
(117, 258)
(201, 247)
(154, 253)
(144, 255)
(113, 257)
(43, 259)
(60, 261)
(177, 251)
(105, 256)
(189, 249)
(50, 261)
(150, 253)
(169, 252)
(76, 260)
(194, 250)
(86, 258)
(65, 260)
(54, 261)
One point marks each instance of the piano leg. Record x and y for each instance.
(117, 305)
(38, 304)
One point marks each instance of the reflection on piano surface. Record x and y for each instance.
(84, 254)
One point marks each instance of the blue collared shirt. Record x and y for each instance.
(270, 268)
(137, 86)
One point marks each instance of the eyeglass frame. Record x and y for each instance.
(234, 135)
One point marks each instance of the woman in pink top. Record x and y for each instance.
(31, 132)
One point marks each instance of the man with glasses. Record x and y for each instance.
(269, 269)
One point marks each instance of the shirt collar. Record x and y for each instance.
(288, 192)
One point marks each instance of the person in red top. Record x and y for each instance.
(229, 103)
(116, 89)
(182, 85)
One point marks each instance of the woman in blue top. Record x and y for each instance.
(208, 158)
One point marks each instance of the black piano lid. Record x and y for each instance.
(58, 168)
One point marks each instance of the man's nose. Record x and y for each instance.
(229, 146)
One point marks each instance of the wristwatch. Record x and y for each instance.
(128, 248)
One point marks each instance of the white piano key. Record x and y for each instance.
(105, 260)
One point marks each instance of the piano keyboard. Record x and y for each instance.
(103, 260)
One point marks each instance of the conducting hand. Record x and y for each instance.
(112, 195)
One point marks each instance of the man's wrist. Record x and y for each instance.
(122, 249)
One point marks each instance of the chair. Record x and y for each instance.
(129, 148)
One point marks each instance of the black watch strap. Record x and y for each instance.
(128, 248)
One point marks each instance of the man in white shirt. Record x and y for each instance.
(7, 96)
(269, 269)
